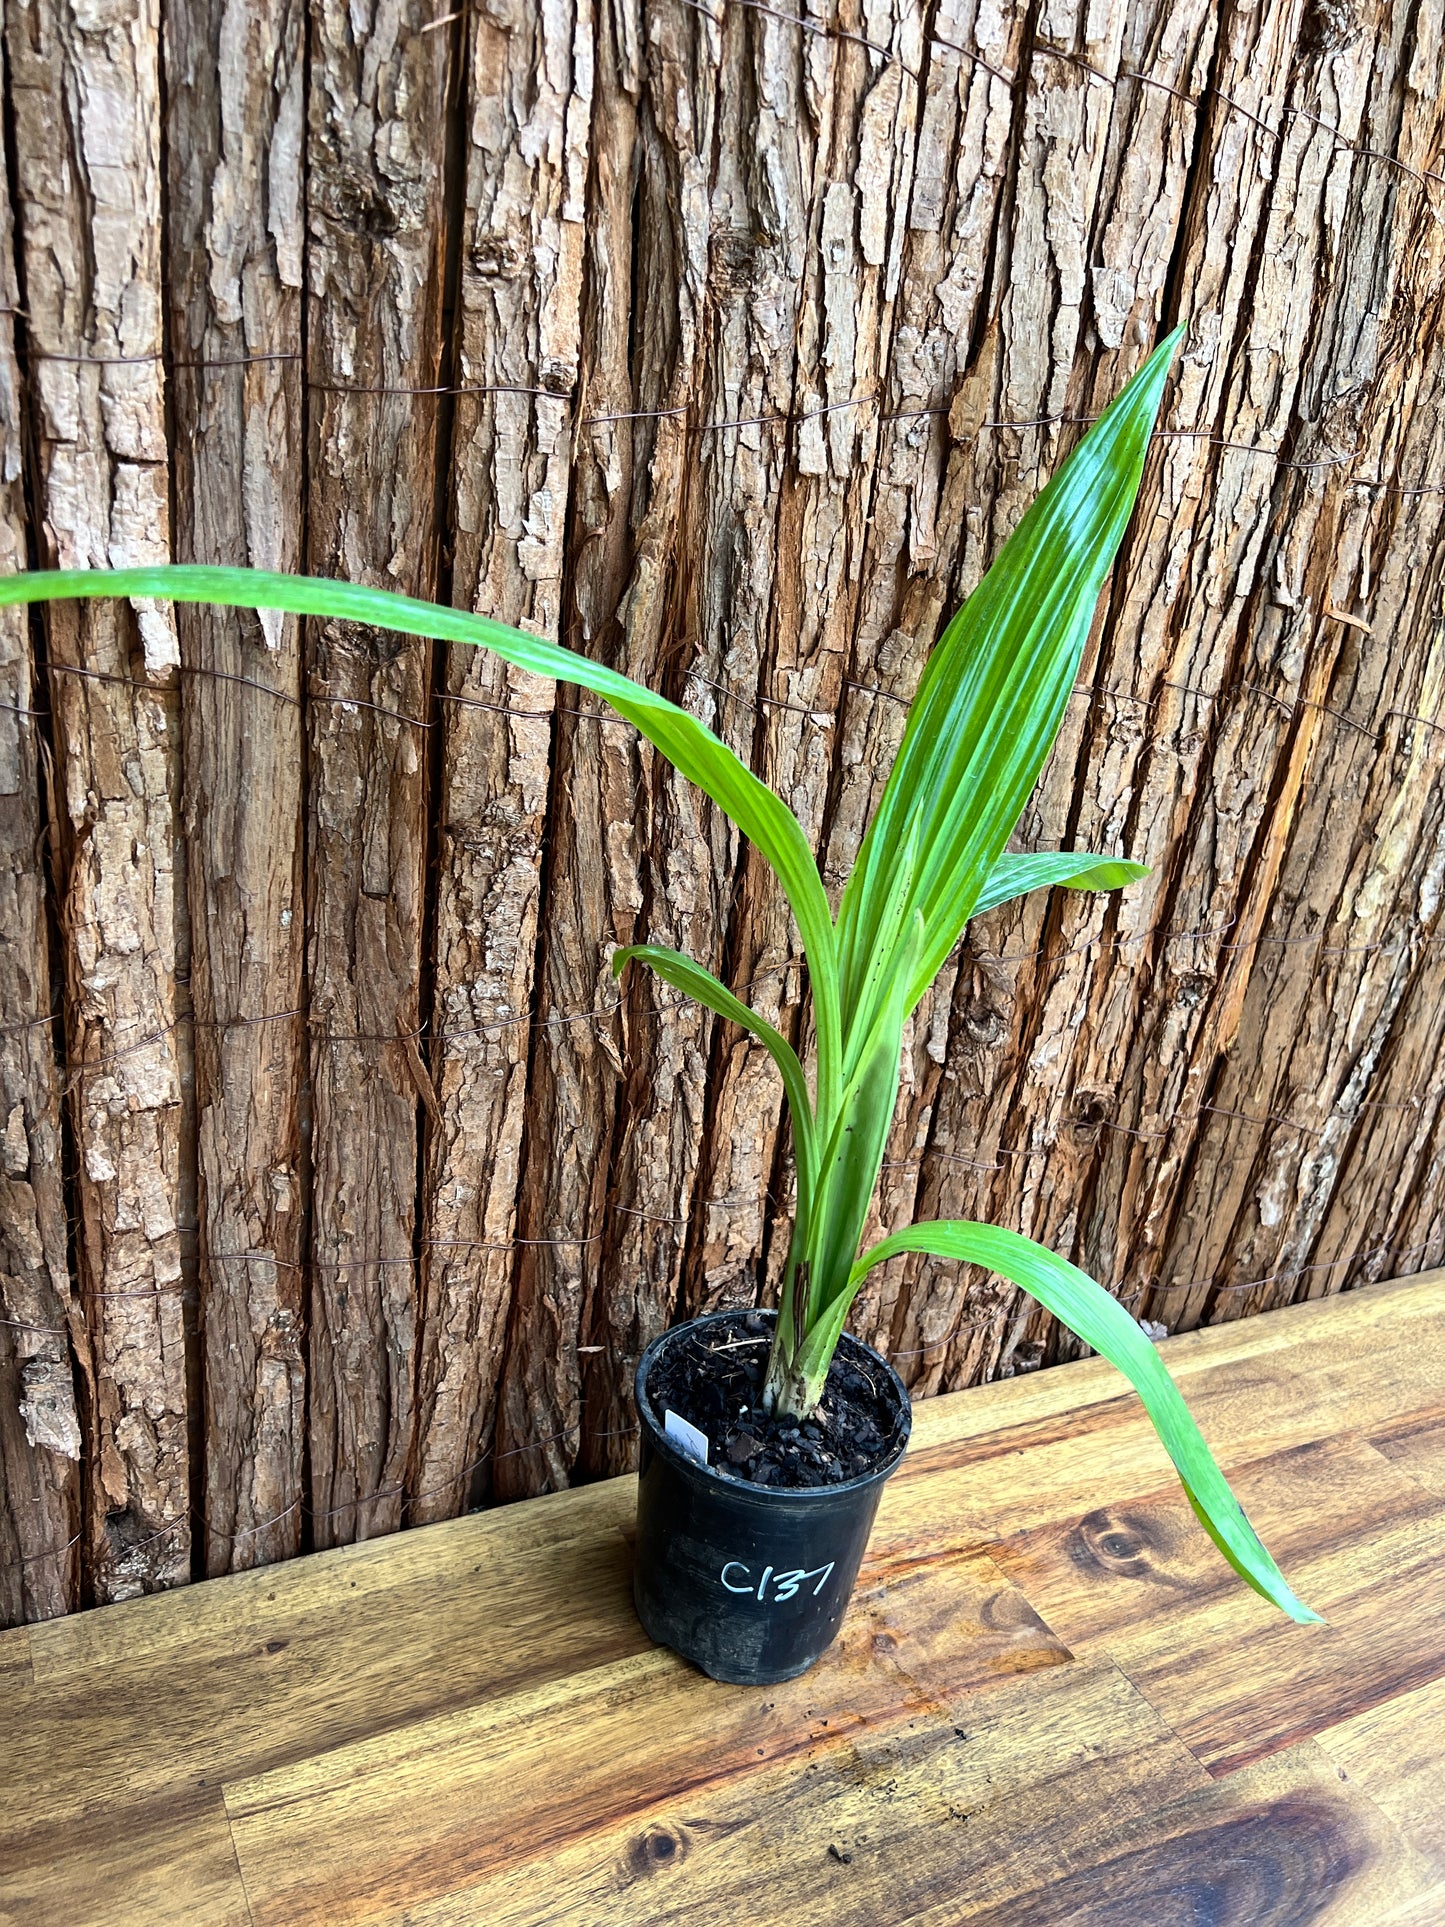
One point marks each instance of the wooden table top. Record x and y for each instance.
(1050, 1703)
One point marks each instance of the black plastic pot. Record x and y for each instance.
(748, 1582)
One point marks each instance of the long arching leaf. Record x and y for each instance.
(688, 744)
(1101, 1321)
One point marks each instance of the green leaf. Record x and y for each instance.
(992, 697)
(1101, 1321)
(1014, 876)
(882, 983)
(849, 1164)
(688, 744)
(690, 978)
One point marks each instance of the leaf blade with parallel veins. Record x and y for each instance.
(991, 699)
(1097, 1317)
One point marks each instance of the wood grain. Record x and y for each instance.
(15, 1664)
(909, 1798)
(1277, 1845)
(135, 1874)
(276, 1644)
(1087, 1718)
(1393, 1753)
(1417, 1445)
(1364, 1545)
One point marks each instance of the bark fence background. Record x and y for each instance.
(339, 1190)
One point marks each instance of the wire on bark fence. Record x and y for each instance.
(603, 1013)
(1409, 937)
(195, 1516)
(1044, 50)
(715, 12)
(190, 1292)
(822, 718)
(187, 1290)
(772, 418)
(775, 418)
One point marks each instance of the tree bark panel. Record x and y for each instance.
(527, 158)
(86, 105)
(375, 257)
(236, 107)
(40, 1425)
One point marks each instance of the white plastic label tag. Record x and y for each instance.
(686, 1437)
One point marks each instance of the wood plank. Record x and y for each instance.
(1279, 1845)
(1416, 1443)
(1141, 1558)
(16, 1671)
(1017, 1455)
(1138, 1580)
(1398, 1324)
(465, 1723)
(1395, 1752)
(874, 1828)
(171, 1865)
(422, 1593)
(367, 1831)
(348, 1644)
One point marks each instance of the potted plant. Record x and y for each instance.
(760, 1474)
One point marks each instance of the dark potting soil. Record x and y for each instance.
(714, 1380)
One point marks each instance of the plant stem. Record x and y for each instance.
(784, 1391)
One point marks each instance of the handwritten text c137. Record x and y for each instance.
(737, 1577)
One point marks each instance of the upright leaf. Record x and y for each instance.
(850, 1158)
(991, 700)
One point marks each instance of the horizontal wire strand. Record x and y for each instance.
(819, 716)
(195, 1516)
(598, 1014)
